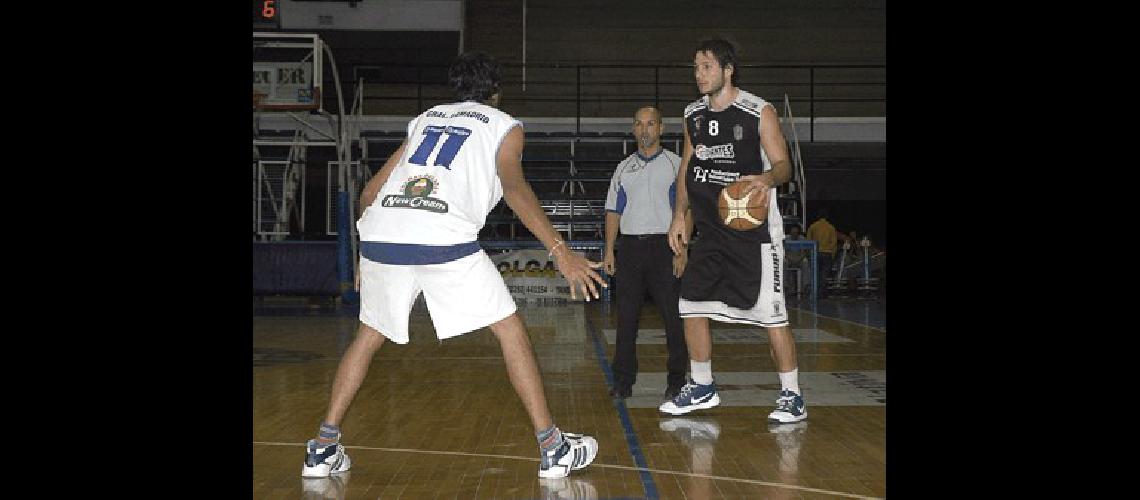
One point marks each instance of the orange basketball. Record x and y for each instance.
(738, 211)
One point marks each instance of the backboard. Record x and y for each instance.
(287, 71)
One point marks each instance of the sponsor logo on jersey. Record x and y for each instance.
(720, 151)
(714, 176)
(420, 186)
(738, 132)
(417, 195)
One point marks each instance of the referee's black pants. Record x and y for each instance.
(645, 263)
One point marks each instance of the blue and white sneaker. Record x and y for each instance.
(693, 396)
(320, 462)
(577, 451)
(789, 408)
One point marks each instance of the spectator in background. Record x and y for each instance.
(795, 257)
(825, 235)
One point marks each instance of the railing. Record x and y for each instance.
(609, 89)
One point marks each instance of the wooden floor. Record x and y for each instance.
(439, 420)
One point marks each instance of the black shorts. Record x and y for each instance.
(734, 282)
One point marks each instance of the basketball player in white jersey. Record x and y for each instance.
(422, 214)
(733, 276)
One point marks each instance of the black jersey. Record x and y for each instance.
(726, 146)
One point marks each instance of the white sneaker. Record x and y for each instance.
(320, 462)
(577, 451)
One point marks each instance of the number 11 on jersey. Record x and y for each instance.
(456, 136)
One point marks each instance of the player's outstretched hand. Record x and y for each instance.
(579, 272)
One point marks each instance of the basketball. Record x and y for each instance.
(739, 211)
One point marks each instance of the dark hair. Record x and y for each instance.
(474, 76)
(723, 51)
(822, 213)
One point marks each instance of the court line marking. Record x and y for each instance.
(769, 356)
(884, 330)
(623, 413)
(595, 464)
(640, 355)
(435, 358)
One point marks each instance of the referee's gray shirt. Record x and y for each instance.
(643, 191)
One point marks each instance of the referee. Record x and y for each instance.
(640, 201)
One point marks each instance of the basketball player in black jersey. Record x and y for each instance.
(733, 275)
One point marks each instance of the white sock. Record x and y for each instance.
(701, 371)
(790, 381)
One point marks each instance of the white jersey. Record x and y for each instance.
(446, 181)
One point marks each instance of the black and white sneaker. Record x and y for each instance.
(320, 462)
(577, 451)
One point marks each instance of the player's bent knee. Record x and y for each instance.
(507, 325)
(370, 337)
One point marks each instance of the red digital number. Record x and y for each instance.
(268, 10)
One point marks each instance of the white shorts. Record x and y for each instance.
(769, 310)
(462, 295)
